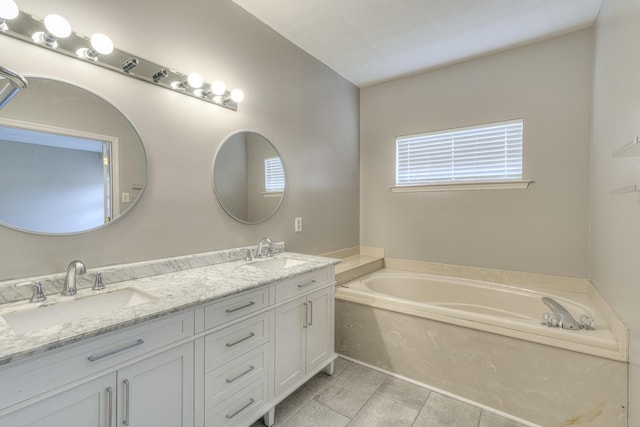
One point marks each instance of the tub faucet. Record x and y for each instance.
(75, 268)
(269, 248)
(566, 320)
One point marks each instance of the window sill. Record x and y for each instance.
(272, 194)
(464, 186)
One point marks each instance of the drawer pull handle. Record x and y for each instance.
(231, 344)
(110, 407)
(230, 380)
(93, 358)
(251, 402)
(302, 285)
(231, 310)
(126, 403)
(306, 315)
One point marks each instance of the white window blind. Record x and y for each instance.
(273, 175)
(490, 152)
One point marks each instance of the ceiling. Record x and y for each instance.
(371, 41)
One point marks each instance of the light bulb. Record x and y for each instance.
(8, 9)
(57, 26)
(101, 44)
(237, 95)
(218, 88)
(195, 80)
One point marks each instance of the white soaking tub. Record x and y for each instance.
(484, 342)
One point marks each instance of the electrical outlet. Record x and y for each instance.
(298, 225)
(125, 197)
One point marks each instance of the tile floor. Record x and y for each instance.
(362, 397)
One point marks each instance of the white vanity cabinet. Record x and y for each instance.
(237, 359)
(85, 405)
(303, 330)
(221, 364)
(130, 378)
(157, 391)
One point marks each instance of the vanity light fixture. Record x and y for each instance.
(54, 33)
(236, 96)
(194, 80)
(56, 28)
(100, 44)
(130, 64)
(8, 10)
(162, 74)
(216, 89)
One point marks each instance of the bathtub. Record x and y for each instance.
(484, 342)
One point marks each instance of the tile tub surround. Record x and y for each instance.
(175, 289)
(542, 384)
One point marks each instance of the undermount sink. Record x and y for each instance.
(31, 317)
(276, 263)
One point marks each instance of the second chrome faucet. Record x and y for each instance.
(75, 268)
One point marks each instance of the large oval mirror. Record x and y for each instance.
(248, 177)
(69, 160)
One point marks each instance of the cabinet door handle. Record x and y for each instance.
(306, 315)
(230, 380)
(231, 310)
(311, 314)
(93, 358)
(251, 401)
(125, 421)
(110, 406)
(302, 285)
(231, 344)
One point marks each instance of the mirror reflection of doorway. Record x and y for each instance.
(48, 173)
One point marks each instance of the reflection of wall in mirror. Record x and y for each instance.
(70, 107)
(231, 171)
(39, 182)
(259, 207)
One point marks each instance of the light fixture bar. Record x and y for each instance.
(25, 25)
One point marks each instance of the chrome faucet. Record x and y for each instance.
(269, 248)
(566, 320)
(75, 268)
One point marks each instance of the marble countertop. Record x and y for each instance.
(172, 292)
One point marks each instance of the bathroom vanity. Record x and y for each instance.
(218, 345)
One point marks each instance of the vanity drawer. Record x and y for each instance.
(59, 367)
(232, 342)
(235, 375)
(235, 307)
(302, 284)
(241, 408)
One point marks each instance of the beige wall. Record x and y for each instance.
(543, 229)
(615, 231)
(307, 111)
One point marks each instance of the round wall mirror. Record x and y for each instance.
(70, 162)
(248, 177)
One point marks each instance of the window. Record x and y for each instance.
(273, 175)
(490, 152)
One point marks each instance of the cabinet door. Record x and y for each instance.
(319, 328)
(158, 391)
(290, 334)
(86, 405)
